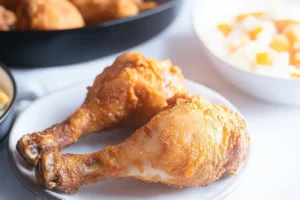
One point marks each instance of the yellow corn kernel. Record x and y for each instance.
(243, 16)
(253, 33)
(295, 59)
(280, 43)
(295, 46)
(3, 97)
(263, 58)
(294, 39)
(283, 24)
(225, 28)
(291, 35)
(295, 75)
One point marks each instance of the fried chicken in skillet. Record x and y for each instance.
(47, 15)
(97, 11)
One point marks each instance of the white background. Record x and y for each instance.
(274, 169)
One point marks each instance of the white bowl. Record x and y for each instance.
(8, 85)
(207, 14)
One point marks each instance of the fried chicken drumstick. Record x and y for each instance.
(191, 143)
(127, 94)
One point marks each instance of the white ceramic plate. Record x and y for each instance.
(206, 17)
(57, 106)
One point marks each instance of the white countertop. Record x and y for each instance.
(273, 171)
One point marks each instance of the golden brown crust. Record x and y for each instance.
(145, 5)
(60, 14)
(126, 94)
(47, 15)
(96, 11)
(7, 19)
(192, 143)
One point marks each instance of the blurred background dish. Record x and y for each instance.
(45, 15)
(4, 102)
(7, 100)
(48, 15)
(36, 48)
(279, 85)
(96, 11)
(263, 42)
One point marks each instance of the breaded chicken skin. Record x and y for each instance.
(47, 15)
(97, 11)
(7, 19)
(126, 94)
(190, 143)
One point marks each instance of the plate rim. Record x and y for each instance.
(48, 194)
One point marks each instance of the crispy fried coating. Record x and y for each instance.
(7, 19)
(191, 143)
(127, 94)
(145, 5)
(47, 15)
(96, 11)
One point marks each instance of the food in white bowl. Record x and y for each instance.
(7, 101)
(4, 101)
(263, 42)
(256, 51)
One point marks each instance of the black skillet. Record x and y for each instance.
(52, 48)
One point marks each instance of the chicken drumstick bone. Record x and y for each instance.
(191, 143)
(127, 94)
